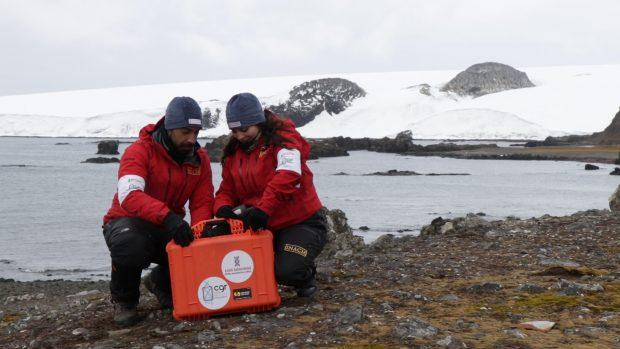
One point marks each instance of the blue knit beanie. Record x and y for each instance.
(183, 112)
(243, 110)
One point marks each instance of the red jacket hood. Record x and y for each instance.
(146, 131)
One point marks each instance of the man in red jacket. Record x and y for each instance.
(158, 174)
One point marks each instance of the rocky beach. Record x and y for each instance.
(463, 283)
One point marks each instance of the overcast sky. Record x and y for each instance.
(60, 45)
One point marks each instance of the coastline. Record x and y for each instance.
(463, 281)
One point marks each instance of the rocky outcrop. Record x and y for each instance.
(614, 201)
(108, 147)
(611, 134)
(590, 167)
(100, 160)
(306, 101)
(215, 148)
(484, 78)
(210, 119)
(323, 148)
(615, 172)
(341, 243)
(563, 140)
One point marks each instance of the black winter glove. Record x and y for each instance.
(226, 212)
(255, 218)
(178, 229)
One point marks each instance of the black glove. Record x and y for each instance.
(179, 229)
(255, 218)
(216, 229)
(226, 212)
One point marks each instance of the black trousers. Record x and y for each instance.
(296, 247)
(134, 244)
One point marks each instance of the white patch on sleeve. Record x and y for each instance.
(290, 160)
(127, 184)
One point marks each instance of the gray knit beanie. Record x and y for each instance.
(183, 112)
(243, 110)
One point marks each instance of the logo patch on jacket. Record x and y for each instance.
(263, 151)
(193, 171)
(296, 249)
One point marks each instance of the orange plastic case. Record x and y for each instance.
(223, 274)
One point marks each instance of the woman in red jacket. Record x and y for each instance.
(264, 168)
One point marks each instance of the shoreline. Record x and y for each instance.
(462, 281)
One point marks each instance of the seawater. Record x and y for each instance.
(52, 205)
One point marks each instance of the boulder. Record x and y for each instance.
(614, 201)
(615, 172)
(484, 78)
(590, 167)
(340, 239)
(108, 147)
(306, 101)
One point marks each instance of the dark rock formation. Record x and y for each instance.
(209, 119)
(590, 167)
(216, 147)
(611, 134)
(615, 172)
(108, 147)
(61, 143)
(323, 148)
(564, 140)
(484, 78)
(394, 173)
(100, 160)
(311, 98)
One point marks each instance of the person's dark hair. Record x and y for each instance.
(268, 132)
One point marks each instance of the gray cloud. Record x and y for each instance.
(59, 45)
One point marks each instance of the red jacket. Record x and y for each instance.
(151, 183)
(274, 179)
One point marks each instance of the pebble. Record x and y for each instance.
(281, 316)
(118, 333)
(79, 331)
(449, 298)
(451, 343)
(541, 325)
(216, 325)
(515, 333)
(207, 336)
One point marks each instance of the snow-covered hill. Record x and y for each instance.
(571, 99)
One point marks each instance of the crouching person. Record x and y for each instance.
(158, 174)
(264, 168)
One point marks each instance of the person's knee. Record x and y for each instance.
(293, 273)
(129, 250)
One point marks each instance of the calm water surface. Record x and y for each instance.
(52, 205)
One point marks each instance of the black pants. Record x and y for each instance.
(296, 247)
(134, 244)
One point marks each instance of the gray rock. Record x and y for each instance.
(81, 331)
(119, 333)
(614, 201)
(349, 315)
(487, 287)
(449, 298)
(573, 289)
(485, 78)
(515, 333)
(339, 236)
(451, 343)
(106, 344)
(413, 328)
(531, 288)
(207, 336)
(559, 263)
